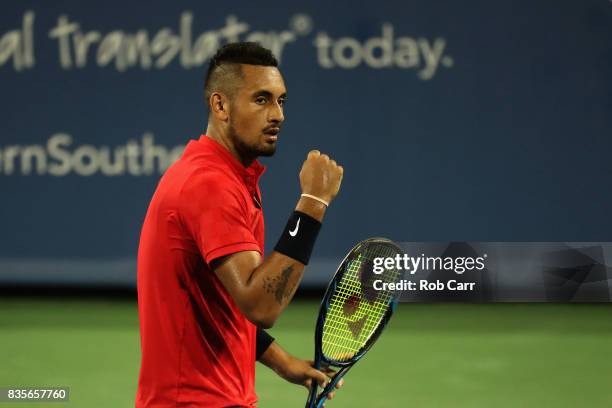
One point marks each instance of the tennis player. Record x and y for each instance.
(205, 292)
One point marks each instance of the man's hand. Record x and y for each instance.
(321, 176)
(296, 370)
(302, 372)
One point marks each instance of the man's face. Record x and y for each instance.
(256, 111)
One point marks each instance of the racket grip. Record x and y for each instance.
(312, 395)
(329, 388)
(311, 402)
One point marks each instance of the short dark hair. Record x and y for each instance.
(224, 68)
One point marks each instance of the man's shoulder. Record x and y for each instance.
(195, 169)
(213, 178)
(186, 178)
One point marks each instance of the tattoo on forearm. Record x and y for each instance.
(279, 285)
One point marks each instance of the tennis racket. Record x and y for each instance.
(353, 314)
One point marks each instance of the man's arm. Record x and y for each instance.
(262, 290)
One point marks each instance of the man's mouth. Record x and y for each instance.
(272, 134)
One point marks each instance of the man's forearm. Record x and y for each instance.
(274, 282)
(262, 290)
(274, 357)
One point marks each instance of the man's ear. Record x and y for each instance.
(219, 106)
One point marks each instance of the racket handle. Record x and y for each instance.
(311, 402)
(312, 395)
(330, 387)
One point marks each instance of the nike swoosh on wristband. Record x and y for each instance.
(297, 226)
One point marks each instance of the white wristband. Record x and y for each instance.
(322, 201)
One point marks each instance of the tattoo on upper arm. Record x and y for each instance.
(279, 285)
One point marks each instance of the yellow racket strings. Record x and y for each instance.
(352, 318)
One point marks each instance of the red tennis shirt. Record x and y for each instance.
(198, 349)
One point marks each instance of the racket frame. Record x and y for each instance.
(320, 359)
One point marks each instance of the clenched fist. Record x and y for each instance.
(321, 176)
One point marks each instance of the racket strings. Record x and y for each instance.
(353, 316)
(361, 323)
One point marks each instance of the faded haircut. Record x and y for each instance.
(224, 72)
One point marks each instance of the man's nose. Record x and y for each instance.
(276, 113)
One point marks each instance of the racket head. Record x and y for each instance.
(352, 314)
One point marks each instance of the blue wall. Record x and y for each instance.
(474, 121)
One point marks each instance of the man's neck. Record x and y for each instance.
(225, 141)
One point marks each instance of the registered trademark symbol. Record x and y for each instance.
(449, 62)
(301, 24)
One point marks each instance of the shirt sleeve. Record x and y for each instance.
(215, 213)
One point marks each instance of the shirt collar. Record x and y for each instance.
(249, 174)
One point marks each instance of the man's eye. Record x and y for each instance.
(260, 100)
(281, 102)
